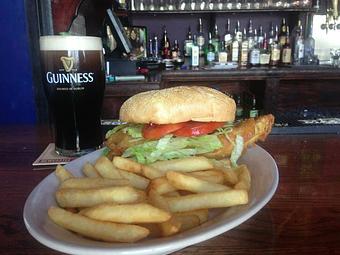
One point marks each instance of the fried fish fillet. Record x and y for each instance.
(252, 130)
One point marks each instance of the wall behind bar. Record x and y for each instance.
(16, 86)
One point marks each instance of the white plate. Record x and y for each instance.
(265, 179)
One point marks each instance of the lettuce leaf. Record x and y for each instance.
(170, 147)
(237, 150)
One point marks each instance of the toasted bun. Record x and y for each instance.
(178, 104)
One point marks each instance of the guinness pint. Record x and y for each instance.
(74, 81)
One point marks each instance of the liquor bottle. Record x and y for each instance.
(264, 52)
(216, 39)
(235, 49)
(244, 49)
(195, 57)
(253, 112)
(275, 49)
(175, 51)
(261, 36)
(256, 38)
(239, 107)
(188, 43)
(309, 48)
(238, 33)
(150, 49)
(283, 32)
(155, 48)
(165, 45)
(271, 36)
(228, 39)
(286, 58)
(298, 46)
(222, 54)
(254, 55)
(209, 52)
(200, 37)
(250, 34)
(228, 36)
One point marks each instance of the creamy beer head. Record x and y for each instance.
(66, 42)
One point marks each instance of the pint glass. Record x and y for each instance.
(74, 81)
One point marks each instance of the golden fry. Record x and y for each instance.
(244, 178)
(62, 173)
(90, 171)
(187, 221)
(170, 227)
(90, 183)
(215, 176)
(207, 200)
(128, 213)
(202, 214)
(186, 182)
(92, 197)
(190, 164)
(135, 180)
(106, 168)
(99, 230)
(127, 164)
(161, 185)
(151, 172)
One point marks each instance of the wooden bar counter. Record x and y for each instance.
(303, 217)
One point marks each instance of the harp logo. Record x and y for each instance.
(67, 63)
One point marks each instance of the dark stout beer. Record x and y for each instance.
(74, 82)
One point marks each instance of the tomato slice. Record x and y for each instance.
(194, 128)
(155, 131)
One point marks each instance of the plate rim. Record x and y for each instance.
(164, 245)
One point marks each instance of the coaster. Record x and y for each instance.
(50, 158)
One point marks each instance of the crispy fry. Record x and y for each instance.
(99, 230)
(127, 165)
(90, 183)
(186, 182)
(161, 185)
(170, 227)
(188, 221)
(190, 164)
(202, 214)
(151, 172)
(230, 176)
(215, 176)
(135, 180)
(92, 197)
(106, 168)
(128, 213)
(62, 173)
(244, 178)
(90, 171)
(207, 200)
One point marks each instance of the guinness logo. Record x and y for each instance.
(67, 63)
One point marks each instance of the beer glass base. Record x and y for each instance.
(74, 153)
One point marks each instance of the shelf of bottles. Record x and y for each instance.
(199, 6)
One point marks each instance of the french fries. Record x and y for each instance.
(90, 183)
(130, 213)
(207, 200)
(106, 168)
(190, 164)
(124, 201)
(62, 173)
(90, 171)
(186, 182)
(91, 197)
(127, 165)
(99, 230)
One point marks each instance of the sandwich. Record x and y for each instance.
(181, 122)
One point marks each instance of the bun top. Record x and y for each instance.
(178, 104)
